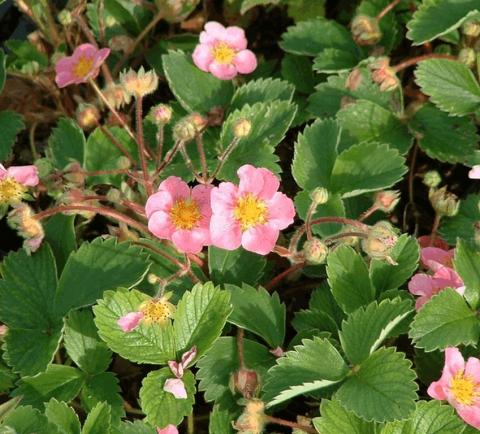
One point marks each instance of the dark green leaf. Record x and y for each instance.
(11, 124)
(66, 143)
(60, 234)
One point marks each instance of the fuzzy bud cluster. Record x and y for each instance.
(365, 30)
(22, 219)
(384, 75)
(252, 420)
(319, 196)
(386, 200)
(139, 84)
(468, 57)
(161, 114)
(244, 381)
(189, 127)
(315, 251)
(432, 179)
(443, 202)
(380, 241)
(87, 116)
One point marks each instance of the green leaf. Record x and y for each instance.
(366, 167)
(96, 267)
(436, 18)
(200, 317)
(122, 16)
(220, 421)
(7, 377)
(430, 417)
(369, 122)
(258, 312)
(66, 143)
(58, 381)
(11, 124)
(464, 223)
(83, 345)
(382, 388)
(249, 4)
(309, 367)
(3, 71)
(26, 420)
(194, 89)
(270, 121)
(450, 85)
(335, 419)
(162, 408)
(366, 329)
(62, 416)
(348, 277)
(332, 60)
(235, 266)
(312, 37)
(406, 254)
(214, 376)
(315, 154)
(98, 420)
(298, 71)
(445, 321)
(467, 265)
(27, 291)
(136, 427)
(443, 137)
(148, 343)
(261, 90)
(60, 234)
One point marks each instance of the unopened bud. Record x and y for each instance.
(468, 57)
(30, 68)
(74, 174)
(121, 43)
(64, 18)
(365, 30)
(242, 128)
(380, 241)
(384, 75)
(139, 84)
(110, 21)
(354, 79)
(153, 278)
(443, 202)
(123, 162)
(116, 95)
(87, 116)
(471, 28)
(44, 166)
(198, 120)
(315, 251)
(184, 130)
(161, 114)
(319, 196)
(245, 382)
(386, 200)
(432, 179)
(252, 420)
(114, 195)
(22, 219)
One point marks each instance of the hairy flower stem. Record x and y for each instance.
(141, 147)
(293, 425)
(436, 224)
(168, 158)
(188, 162)
(223, 157)
(387, 9)
(368, 213)
(308, 221)
(203, 158)
(333, 238)
(116, 143)
(241, 347)
(160, 141)
(414, 60)
(277, 279)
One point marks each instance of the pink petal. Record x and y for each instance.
(189, 356)
(270, 184)
(160, 225)
(420, 301)
(215, 29)
(421, 284)
(281, 211)
(436, 390)
(176, 186)
(207, 39)
(433, 257)
(191, 241)
(85, 50)
(252, 180)
(202, 57)
(470, 414)
(100, 57)
(170, 429)
(260, 239)
(64, 79)
(223, 198)
(130, 321)
(454, 361)
(474, 172)
(225, 232)
(472, 368)
(235, 37)
(176, 387)
(245, 61)
(176, 368)
(222, 71)
(446, 276)
(26, 175)
(460, 290)
(159, 201)
(201, 195)
(3, 172)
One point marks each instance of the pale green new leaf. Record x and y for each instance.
(200, 317)
(11, 123)
(365, 330)
(66, 143)
(309, 367)
(467, 265)
(382, 388)
(445, 321)
(258, 312)
(98, 420)
(62, 416)
(160, 407)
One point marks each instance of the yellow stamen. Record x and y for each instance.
(464, 388)
(157, 311)
(83, 66)
(185, 214)
(250, 211)
(223, 53)
(11, 191)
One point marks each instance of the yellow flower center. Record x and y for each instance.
(250, 211)
(157, 311)
(464, 389)
(185, 214)
(223, 53)
(83, 66)
(11, 191)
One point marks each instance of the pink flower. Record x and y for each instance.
(170, 429)
(130, 321)
(252, 214)
(25, 175)
(460, 386)
(222, 51)
(175, 386)
(434, 258)
(180, 214)
(474, 172)
(424, 241)
(82, 65)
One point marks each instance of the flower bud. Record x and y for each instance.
(468, 57)
(44, 167)
(354, 79)
(64, 18)
(116, 95)
(319, 196)
(121, 43)
(386, 200)
(87, 116)
(161, 114)
(252, 420)
(22, 219)
(380, 241)
(444, 203)
(198, 120)
(110, 21)
(114, 195)
(184, 130)
(244, 381)
(432, 179)
(242, 128)
(123, 162)
(74, 174)
(139, 84)
(384, 75)
(471, 28)
(315, 251)
(365, 30)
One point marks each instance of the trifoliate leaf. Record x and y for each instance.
(148, 343)
(365, 330)
(60, 235)
(348, 277)
(445, 321)
(62, 416)
(11, 123)
(160, 407)
(463, 224)
(259, 312)
(26, 420)
(200, 317)
(382, 388)
(452, 87)
(98, 420)
(194, 89)
(309, 367)
(467, 265)
(66, 143)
